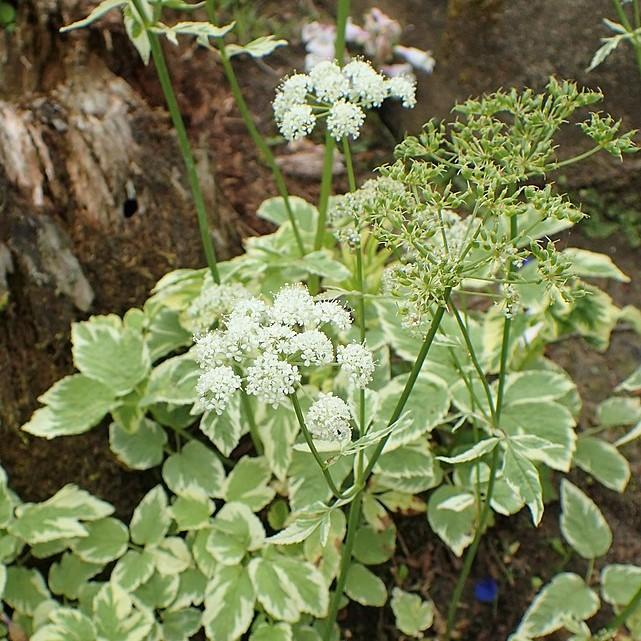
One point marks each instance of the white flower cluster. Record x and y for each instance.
(328, 419)
(269, 344)
(214, 302)
(357, 362)
(340, 94)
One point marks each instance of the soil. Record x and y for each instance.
(470, 43)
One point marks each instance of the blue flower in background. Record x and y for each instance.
(486, 590)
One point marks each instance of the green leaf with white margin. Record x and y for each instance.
(229, 604)
(426, 408)
(273, 594)
(73, 405)
(302, 525)
(364, 587)
(278, 431)
(59, 517)
(98, 12)
(235, 531)
(191, 590)
(320, 263)
(159, 591)
(619, 411)
(116, 618)
(305, 214)
(151, 518)
(538, 385)
(247, 483)
(473, 453)
(551, 422)
(180, 625)
(272, 632)
(603, 461)
(224, 430)
(68, 575)
(411, 460)
(619, 583)
(106, 541)
(413, 615)
(171, 555)
(204, 559)
(323, 547)
(258, 48)
(192, 512)
(306, 584)
(523, 478)
(173, 381)
(632, 383)
(164, 333)
(3, 579)
(105, 351)
(565, 596)
(25, 589)
(593, 265)
(452, 516)
(137, 33)
(202, 31)
(582, 524)
(140, 450)
(372, 546)
(66, 624)
(194, 470)
(133, 569)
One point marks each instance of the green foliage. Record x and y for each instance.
(464, 416)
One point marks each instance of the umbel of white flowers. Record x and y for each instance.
(266, 349)
(340, 94)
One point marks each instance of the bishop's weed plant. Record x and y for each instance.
(381, 354)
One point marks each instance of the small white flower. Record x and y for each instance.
(297, 122)
(357, 362)
(291, 93)
(210, 348)
(252, 308)
(216, 386)
(328, 81)
(403, 88)
(273, 338)
(328, 419)
(293, 305)
(314, 348)
(214, 302)
(271, 379)
(334, 314)
(241, 337)
(367, 86)
(345, 119)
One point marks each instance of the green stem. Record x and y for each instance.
(310, 442)
(472, 550)
(477, 366)
(574, 159)
(629, 609)
(183, 142)
(253, 428)
(507, 325)
(353, 521)
(409, 385)
(255, 135)
(360, 281)
(328, 155)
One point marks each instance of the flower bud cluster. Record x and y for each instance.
(266, 348)
(340, 94)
